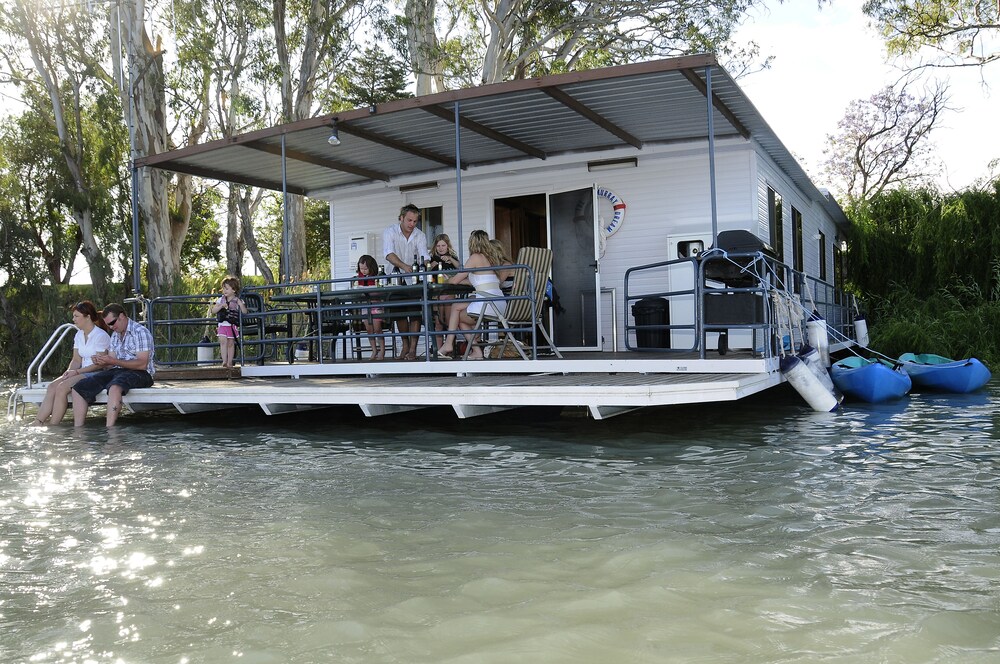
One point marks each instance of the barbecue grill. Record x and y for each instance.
(732, 271)
(740, 268)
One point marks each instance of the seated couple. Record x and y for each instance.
(117, 363)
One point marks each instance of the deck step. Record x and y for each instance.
(197, 373)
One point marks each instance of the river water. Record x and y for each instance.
(749, 532)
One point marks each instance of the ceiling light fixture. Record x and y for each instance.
(418, 186)
(612, 164)
(334, 139)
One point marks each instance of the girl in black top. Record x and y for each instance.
(443, 257)
(227, 311)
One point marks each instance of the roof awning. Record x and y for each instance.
(648, 103)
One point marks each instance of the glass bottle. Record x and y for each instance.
(380, 279)
(415, 268)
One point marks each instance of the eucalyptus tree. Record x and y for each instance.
(37, 237)
(241, 58)
(497, 40)
(20, 269)
(313, 40)
(44, 48)
(34, 185)
(138, 73)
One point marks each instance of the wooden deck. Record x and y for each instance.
(606, 384)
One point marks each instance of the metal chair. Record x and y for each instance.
(524, 309)
(268, 326)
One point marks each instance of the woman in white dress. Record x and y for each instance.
(463, 314)
(91, 339)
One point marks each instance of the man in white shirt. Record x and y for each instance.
(401, 242)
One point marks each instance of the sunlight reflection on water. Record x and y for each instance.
(750, 532)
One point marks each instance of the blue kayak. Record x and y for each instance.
(934, 372)
(869, 380)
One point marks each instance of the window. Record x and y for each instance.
(838, 274)
(797, 260)
(774, 214)
(822, 256)
(432, 223)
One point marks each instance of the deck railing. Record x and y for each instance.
(695, 305)
(303, 321)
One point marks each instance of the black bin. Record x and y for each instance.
(651, 311)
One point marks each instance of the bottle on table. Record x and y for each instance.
(415, 268)
(380, 278)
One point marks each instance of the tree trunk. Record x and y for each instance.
(234, 241)
(147, 130)
(98, 263)
(497, 54)
(296, 264)
(422, 43)
(247, 203)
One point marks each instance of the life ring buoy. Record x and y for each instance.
(607, 228)
(618, 205)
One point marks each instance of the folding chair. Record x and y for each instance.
(524, 309)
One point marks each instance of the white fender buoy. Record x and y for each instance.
(810, 356)
(861, 331)
(818, 337)
(807, 384)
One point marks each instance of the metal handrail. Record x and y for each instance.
(319, 309)
(165, 351)
(776, 276)
(47, 350)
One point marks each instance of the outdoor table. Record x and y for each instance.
(352, 304)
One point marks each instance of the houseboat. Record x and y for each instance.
(686, 245)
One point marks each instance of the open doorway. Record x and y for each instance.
(520, 222)
(563, 222)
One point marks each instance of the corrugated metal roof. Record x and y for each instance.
(642, 104)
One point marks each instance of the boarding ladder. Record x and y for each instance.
(49, 348)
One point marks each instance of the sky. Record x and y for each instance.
(824, 58)
(827, 57)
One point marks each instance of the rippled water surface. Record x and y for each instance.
(750, 532)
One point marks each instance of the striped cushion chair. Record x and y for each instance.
(524, 309)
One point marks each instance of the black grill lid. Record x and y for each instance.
(742, 242)
(732, 271)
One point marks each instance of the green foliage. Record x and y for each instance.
(923, 239)
(374, 78)
(36, 187)
(317, 224)
(962, 32)
(317, 221)
(42, 196)
(31, 313)
(203, 242)
(929, 266)
(958, 321)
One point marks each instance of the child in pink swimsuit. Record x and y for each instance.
(228, 309)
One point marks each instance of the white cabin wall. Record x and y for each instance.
(667, 194)
(814, 218)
